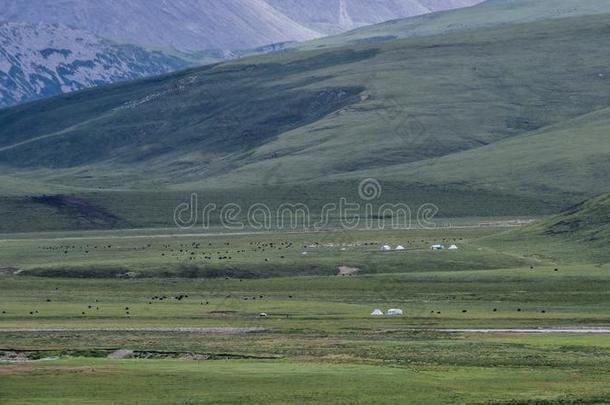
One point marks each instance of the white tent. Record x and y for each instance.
(400, 247)
(394, 311)
(453, 247)
(377, 312)
(386, 248)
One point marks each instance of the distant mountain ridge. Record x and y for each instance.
(185, 25)
(334, 16)
(196, 25)
(39, 60)
(50, 47)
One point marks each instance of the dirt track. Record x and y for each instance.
(528, 331)
(220, 331)
(165, 233)
(240, 331)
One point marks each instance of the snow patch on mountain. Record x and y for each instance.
(38, 60)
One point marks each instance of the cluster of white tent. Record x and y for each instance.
(393, 311)
(387, 248)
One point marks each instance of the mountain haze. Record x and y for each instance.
(186, 25)
(195, 25)
(333, 16)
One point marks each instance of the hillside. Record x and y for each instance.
(579, 233)
(588, 222)
(296, 94)
(41, 60)
(91, 53)
(509, 121)
(569, 158)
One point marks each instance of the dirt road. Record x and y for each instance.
(220, 331)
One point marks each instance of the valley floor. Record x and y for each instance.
(225, 318)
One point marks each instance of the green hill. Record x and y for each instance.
(569, 159)
(507, 120)
(586, 222)
(578, 234)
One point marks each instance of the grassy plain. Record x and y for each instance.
(318, 343)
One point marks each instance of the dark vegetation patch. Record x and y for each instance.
(184, 271)
(78, 272)
(248, 272)
(588, 221)
(78, 208)
(32, 355)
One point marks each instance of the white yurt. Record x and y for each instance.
(453, 247)
(386, 248)
(377, 312)
(400, 247)
(394, 311)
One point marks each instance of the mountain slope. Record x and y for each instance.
(580, 232)
(187, 25)
(489, 14)
(333, 16)
(499, 121)
(588, 221)
(211, 31)
(40, 60)
(344, 112)
(570, 159)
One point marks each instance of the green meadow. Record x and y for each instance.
(480, 120)
(64, 316)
